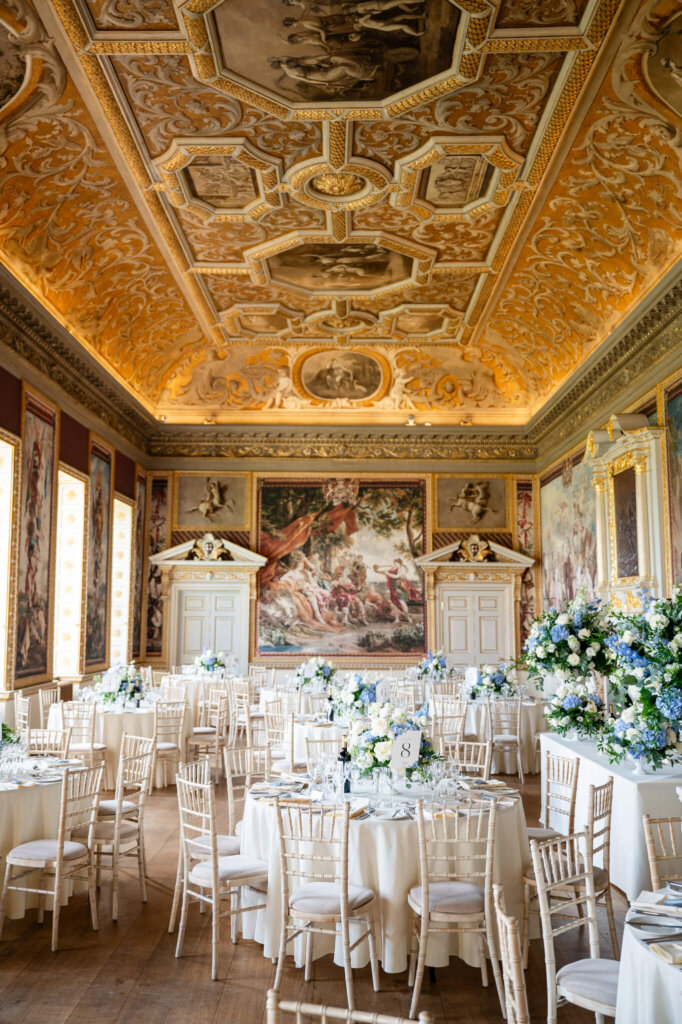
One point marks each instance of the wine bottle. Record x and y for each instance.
(344, 760)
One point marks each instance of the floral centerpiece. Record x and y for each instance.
(433, 666)
(645, 682)
(9, 735)
(495, 682)
(569, 642)
(575, 708)
(210, 661)
(370, 746)
(123, 681)
(316, 670)
(353, 700)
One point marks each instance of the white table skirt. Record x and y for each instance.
(383, 855)
(28, 813)
(649, 990)
(306, 730)
(532, 721)
(633, 796)
(109, 729)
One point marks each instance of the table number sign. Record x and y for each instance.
(383, 691)
(471, 676)
(405, 751)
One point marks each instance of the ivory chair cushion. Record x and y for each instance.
(105, 830)
(450, 898)
(109, 807)
(325, 898)
(166, 745)
(541, 834)
(86, 746)
(505, 739)
(46, 850)
(228, 846)
(232, 868)
(590, 983)
(203, 730)
(239, 827)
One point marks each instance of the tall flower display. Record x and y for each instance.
(315, 671)
(568, 643)
(210, 661)
(645, 682)
(353, 700)
(433, 666)
(495, 681)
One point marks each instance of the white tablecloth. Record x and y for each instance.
(309, 730)
(649, 990)
(289, 699)
(383, 855)
(110, 728)
(633, 796)
(532, 721)
(29, 813)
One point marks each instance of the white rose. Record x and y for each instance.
(633, 692)
(382, 751)
(590, 652)
(597, 647)
(573, 659)
(574, 643)
(638, 672)
(654, 685)
(628, 637)
(584, 634)
(591, 707)
(562, 690)
(562, 620)
(380, 727)
(551, 648)
(539, 651)
(631, 734)
(400, 716)
(627, 714)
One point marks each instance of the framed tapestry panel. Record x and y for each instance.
(37, 524)
(138, 560)
(569, 530)
(98, 572)
(211, 501)
(477, 503)
(673, 422)
(159, 532)
(341, 579)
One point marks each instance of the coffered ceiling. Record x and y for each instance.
(341, 211)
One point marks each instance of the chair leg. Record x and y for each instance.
(176, 894)
(612, 923)
(308, 973)
(484, 959)
(3, 899)
(56, 911)
(347, 966)
(421, 961)
(525, 925)
(413, 950)
(92, 894)
(373, 945)
(519, 762)
(497, 975)
(141, 866)
(183, 919)
(41, 899)
(281, 956)
(215, 933)
(114, 883)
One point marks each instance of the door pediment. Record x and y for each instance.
(474, 553)
(209, 552)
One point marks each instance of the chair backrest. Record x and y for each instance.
(313, 846)
(242, 696)
(664, 849)
(243, 767)
(157, 676)
(133, 746)
(516, 997)
(281, 1011)
(317, 703)
(444, 687)
(314, 747)
(409, 695)
(169, 719)
(279, 728)
(474, 757)
(22, 713)
(48, 742)
(457, 844)
(599, 807)
(80, 718)
(196, 771)
(133, 779)
(504, 716)
(562, 864)
(445, 705)
(561, 787)
(48, 696)
(173, 692)
(80, 801)
(217, 711)
(196, 805)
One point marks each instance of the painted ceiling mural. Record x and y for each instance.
(336, 211)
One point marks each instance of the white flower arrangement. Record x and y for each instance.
(210, 661)
(316, 670)
(496, 682)
(434, 666)
(354, 700)
(370, 746)
(120, 680)
(575, 706)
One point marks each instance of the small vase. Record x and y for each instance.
(571, 735)
(640, 765)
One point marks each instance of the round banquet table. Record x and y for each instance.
(110, 726)
(384, 856)
(289, 699)
(533, 721)
(649, 990)
(27, 813)
(311, 731)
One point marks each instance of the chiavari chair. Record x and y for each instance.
(516, 996)
(47, 696)
(48, 742)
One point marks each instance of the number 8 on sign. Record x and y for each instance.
(405, 752)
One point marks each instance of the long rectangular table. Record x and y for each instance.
(633, 796)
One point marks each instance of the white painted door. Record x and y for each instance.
(211, 618)
(475, 623)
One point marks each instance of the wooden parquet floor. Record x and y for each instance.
(127, 972)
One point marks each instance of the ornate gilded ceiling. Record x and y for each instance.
(341, 211)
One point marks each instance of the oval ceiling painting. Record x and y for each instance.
(330, 374)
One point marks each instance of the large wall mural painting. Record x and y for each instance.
(341, 578)
(525, 534)
(138, 541)
(673, 419)
(159, 530)
(99, 556)
(211, 502)
(569, 546)
(36, 540)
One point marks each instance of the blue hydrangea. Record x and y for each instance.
(357, 678)
(596, 698)
(578, 619)
(570, 702)
(637, 750)
(326, 670)
(620, 727)
(369, 694)
(422, 712)
(655, 738)
(669, 703)
(559, 633)
(497, 678)
(442, 661)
